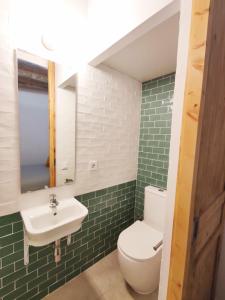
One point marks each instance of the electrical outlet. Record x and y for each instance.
(93, 165)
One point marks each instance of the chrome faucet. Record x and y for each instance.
(53, 203)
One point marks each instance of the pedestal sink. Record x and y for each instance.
(42, 227)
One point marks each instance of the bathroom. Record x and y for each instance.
(99, 154)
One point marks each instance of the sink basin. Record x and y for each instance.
(42, 227)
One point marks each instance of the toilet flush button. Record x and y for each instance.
(93, 165)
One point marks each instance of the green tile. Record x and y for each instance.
(18, 226)
(6, 250)
(89, 196)
(56, 285)
(94, 215)
(162, 110)
(15, 294)
(158, 150)
(37, 264)
(95, 241)
(160, 124)
(101, 192)
(154, 137)
(165, 130)
(153, 130)
(45, 251)
(164, 157)
(145, 118)
(152, 84)
(163, 96)
(168, 87)
(75, 261)
(145, 106)
(159, 137)
(14, 276)
(18, 246)
(6, 270)
(5, 220)
(23, 280)
(40, 295)
(6, 289)
(47, 283)
(10, 239)
(36, 282)
(6, 260)
(19, 264)
(28, 295)
(164, 81)
(72, 274)
(5, 230)
(56, 270)
(145, 93)
(46, 268)
(167, 116)
(64, 273)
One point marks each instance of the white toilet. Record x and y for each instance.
(139, 261)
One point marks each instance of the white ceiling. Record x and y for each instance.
(150, 56)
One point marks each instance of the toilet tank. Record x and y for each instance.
(155, 207)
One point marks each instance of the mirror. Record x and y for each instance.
(46, 124)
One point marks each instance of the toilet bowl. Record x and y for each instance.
(139, 246)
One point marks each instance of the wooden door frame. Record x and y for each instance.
(184, 225)
(51, 101)
(183, 213)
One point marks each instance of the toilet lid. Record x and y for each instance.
(138, 240)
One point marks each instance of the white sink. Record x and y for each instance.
(42, 227)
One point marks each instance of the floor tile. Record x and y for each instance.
(102, 281)
(79, 288)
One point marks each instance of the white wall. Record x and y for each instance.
(107, 129)
(109, 21)
(65, 131)
(63, 23)
(183, 44)
(9, 154)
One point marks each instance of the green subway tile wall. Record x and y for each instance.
(155, 130)
(110, 211)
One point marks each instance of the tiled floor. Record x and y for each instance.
(103, 281)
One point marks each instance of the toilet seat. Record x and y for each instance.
(138, 240)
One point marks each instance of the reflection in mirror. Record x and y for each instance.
(41, 125)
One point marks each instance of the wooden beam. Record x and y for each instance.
(32, 76)
(25, 83)
(51, 99)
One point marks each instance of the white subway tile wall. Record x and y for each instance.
(108, 117)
